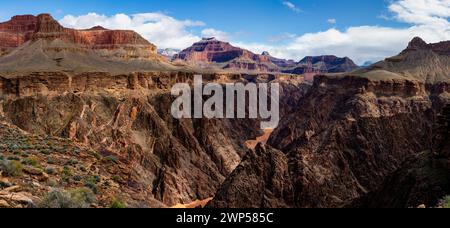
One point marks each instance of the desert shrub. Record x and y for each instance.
(446, 202)
(76, 151)
(31, 162)
(13, 158)
(72, 162)
(95, 154)
(117, 203)
(77, 178)
(76, 198)
(50, 170)
(66, 174)
(111, 159)
(12, 168)
(46, 151)
(52, 182)
(51, 161)
(91, 183)
(116, 178)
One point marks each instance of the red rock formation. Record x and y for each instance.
(16, 31)
(211, 50)
(116, 43)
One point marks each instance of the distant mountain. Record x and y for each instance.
(39, 43)
(428, 63)
(283, 63)
(322, 64)
(225, 56)
(168, 52)
(109, 43)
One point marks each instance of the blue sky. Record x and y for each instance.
(283, 27)
(252, 20)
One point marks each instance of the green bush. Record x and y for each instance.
(77, 198)
(31, 162)
(446, 202)
(67, 174)
(116, 203)
(91, 182)
(12, 168)
(52, 182)
(51, 161)
(50, 170)
(72, 162)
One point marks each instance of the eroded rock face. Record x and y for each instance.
(262, 180)
(109, 43)
(163, 161)
(172, 161)
(349, 135)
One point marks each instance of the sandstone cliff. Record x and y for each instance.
(108, 43)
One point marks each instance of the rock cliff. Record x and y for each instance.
(108, 43)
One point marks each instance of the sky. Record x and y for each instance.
(364, 30)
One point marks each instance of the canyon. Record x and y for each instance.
(360, 140)
(90, 110)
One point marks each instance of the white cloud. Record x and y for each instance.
(332, 21)
(426, 18)
(220, 35)
(292, 6)
(160, 29)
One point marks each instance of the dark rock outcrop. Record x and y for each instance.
(349, 137)
(262, 180)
